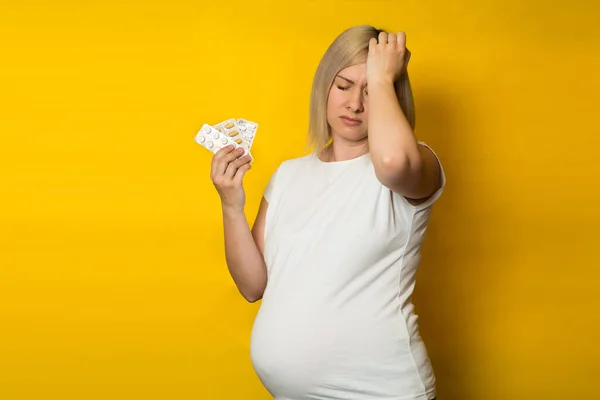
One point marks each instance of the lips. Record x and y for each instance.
(353, 120)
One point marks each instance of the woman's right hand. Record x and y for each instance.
(227, 172)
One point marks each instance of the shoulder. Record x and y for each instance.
(298, 162)
(284, 173)
(290, 166)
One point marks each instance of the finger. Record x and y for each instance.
(392, 39)
(216, 159)
(239, 175)
(230, 171)
(225, 150)
(227, 158)
(372, 44)
(382, 38)
(401, 40)
(235, 165)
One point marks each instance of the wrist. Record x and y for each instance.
(232, 210)
(380, 82)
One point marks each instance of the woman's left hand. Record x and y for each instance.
(387, 58)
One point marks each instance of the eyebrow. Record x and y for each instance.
(348, 80)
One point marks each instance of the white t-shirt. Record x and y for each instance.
(336, 319)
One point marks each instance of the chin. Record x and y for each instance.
(351, 133)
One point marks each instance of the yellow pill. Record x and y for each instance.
(229, 125)
(239, 141)
(233, 133)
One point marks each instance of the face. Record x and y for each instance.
(347, 106)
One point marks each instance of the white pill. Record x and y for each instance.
(205, 130)
(224, 140)
(209, 145)
(215, 134)
(201, 139)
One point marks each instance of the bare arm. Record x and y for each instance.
(400, 162)
(242, 253)
(258, 230)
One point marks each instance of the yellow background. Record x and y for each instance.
(112, 276)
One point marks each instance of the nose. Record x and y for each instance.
(355, 102)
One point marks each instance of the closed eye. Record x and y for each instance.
(343, 88)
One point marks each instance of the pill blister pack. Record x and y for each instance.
(212, 139)
(248, 130)
(230, 129)
(239, 133)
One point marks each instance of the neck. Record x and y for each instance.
(333, 152)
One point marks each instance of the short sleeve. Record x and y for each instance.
(435, 196)
(270, 190)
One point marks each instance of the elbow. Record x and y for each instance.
(392, 166)
(393, 169)
(393, 163)
(252, 296)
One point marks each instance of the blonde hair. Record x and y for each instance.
(349, 48)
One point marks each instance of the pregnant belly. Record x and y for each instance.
(311, 354)
(290, 353)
